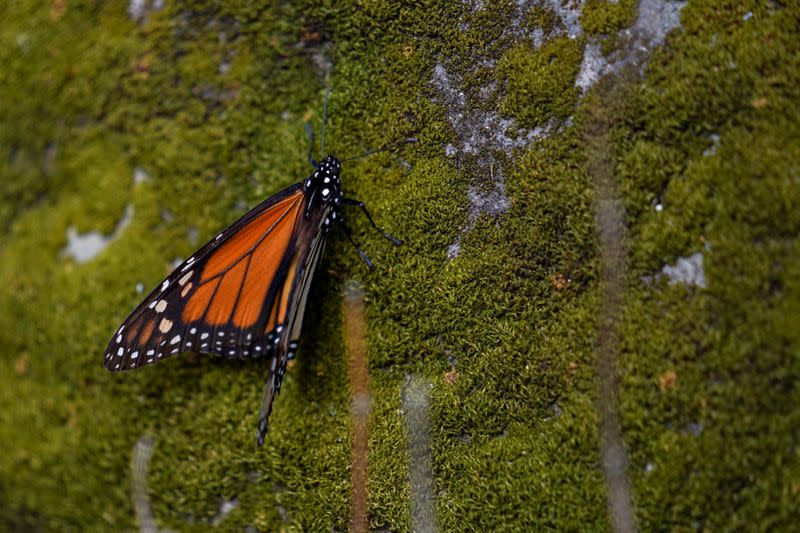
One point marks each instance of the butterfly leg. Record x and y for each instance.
(363, 206)
(360, 251)
(310, 133)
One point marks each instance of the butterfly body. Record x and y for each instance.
(324, 188)
(243, 294)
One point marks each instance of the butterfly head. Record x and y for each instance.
(325, 180)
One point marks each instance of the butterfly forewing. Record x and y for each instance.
(213, 302)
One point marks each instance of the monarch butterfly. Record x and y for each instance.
(243, 294)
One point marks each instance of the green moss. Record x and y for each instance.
(604, 17)
(708, 377)
(540, 84)
(541, 17)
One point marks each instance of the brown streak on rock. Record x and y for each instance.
(355, 341)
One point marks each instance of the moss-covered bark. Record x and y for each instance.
(209, 100)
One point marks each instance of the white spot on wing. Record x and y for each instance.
(186, 277)
(160, 306)
(186, 290)
(175, 340)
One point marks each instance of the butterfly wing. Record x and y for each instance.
(227, 299)
(291, 307)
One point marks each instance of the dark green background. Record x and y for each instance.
(708, 391)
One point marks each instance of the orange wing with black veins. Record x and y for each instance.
(228, 299)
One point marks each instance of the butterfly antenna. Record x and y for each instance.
(324, 116)
(401, 142)
(310, 133)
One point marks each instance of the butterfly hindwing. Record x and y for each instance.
(302, 266)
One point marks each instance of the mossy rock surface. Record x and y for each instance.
(155, 126)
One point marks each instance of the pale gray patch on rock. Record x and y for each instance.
(711, 150)
(592, 66)
(570, 14)
(656, 19)
(694, 429)
(137, 9)
(322, 61)
(492, 201)
(191, 235)
(454, 248)
(140, 175)
(480, 133)
(226, 507)
(485, 140)
(537, 36)
(85, 247)
(569, 19)
(687, 270)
